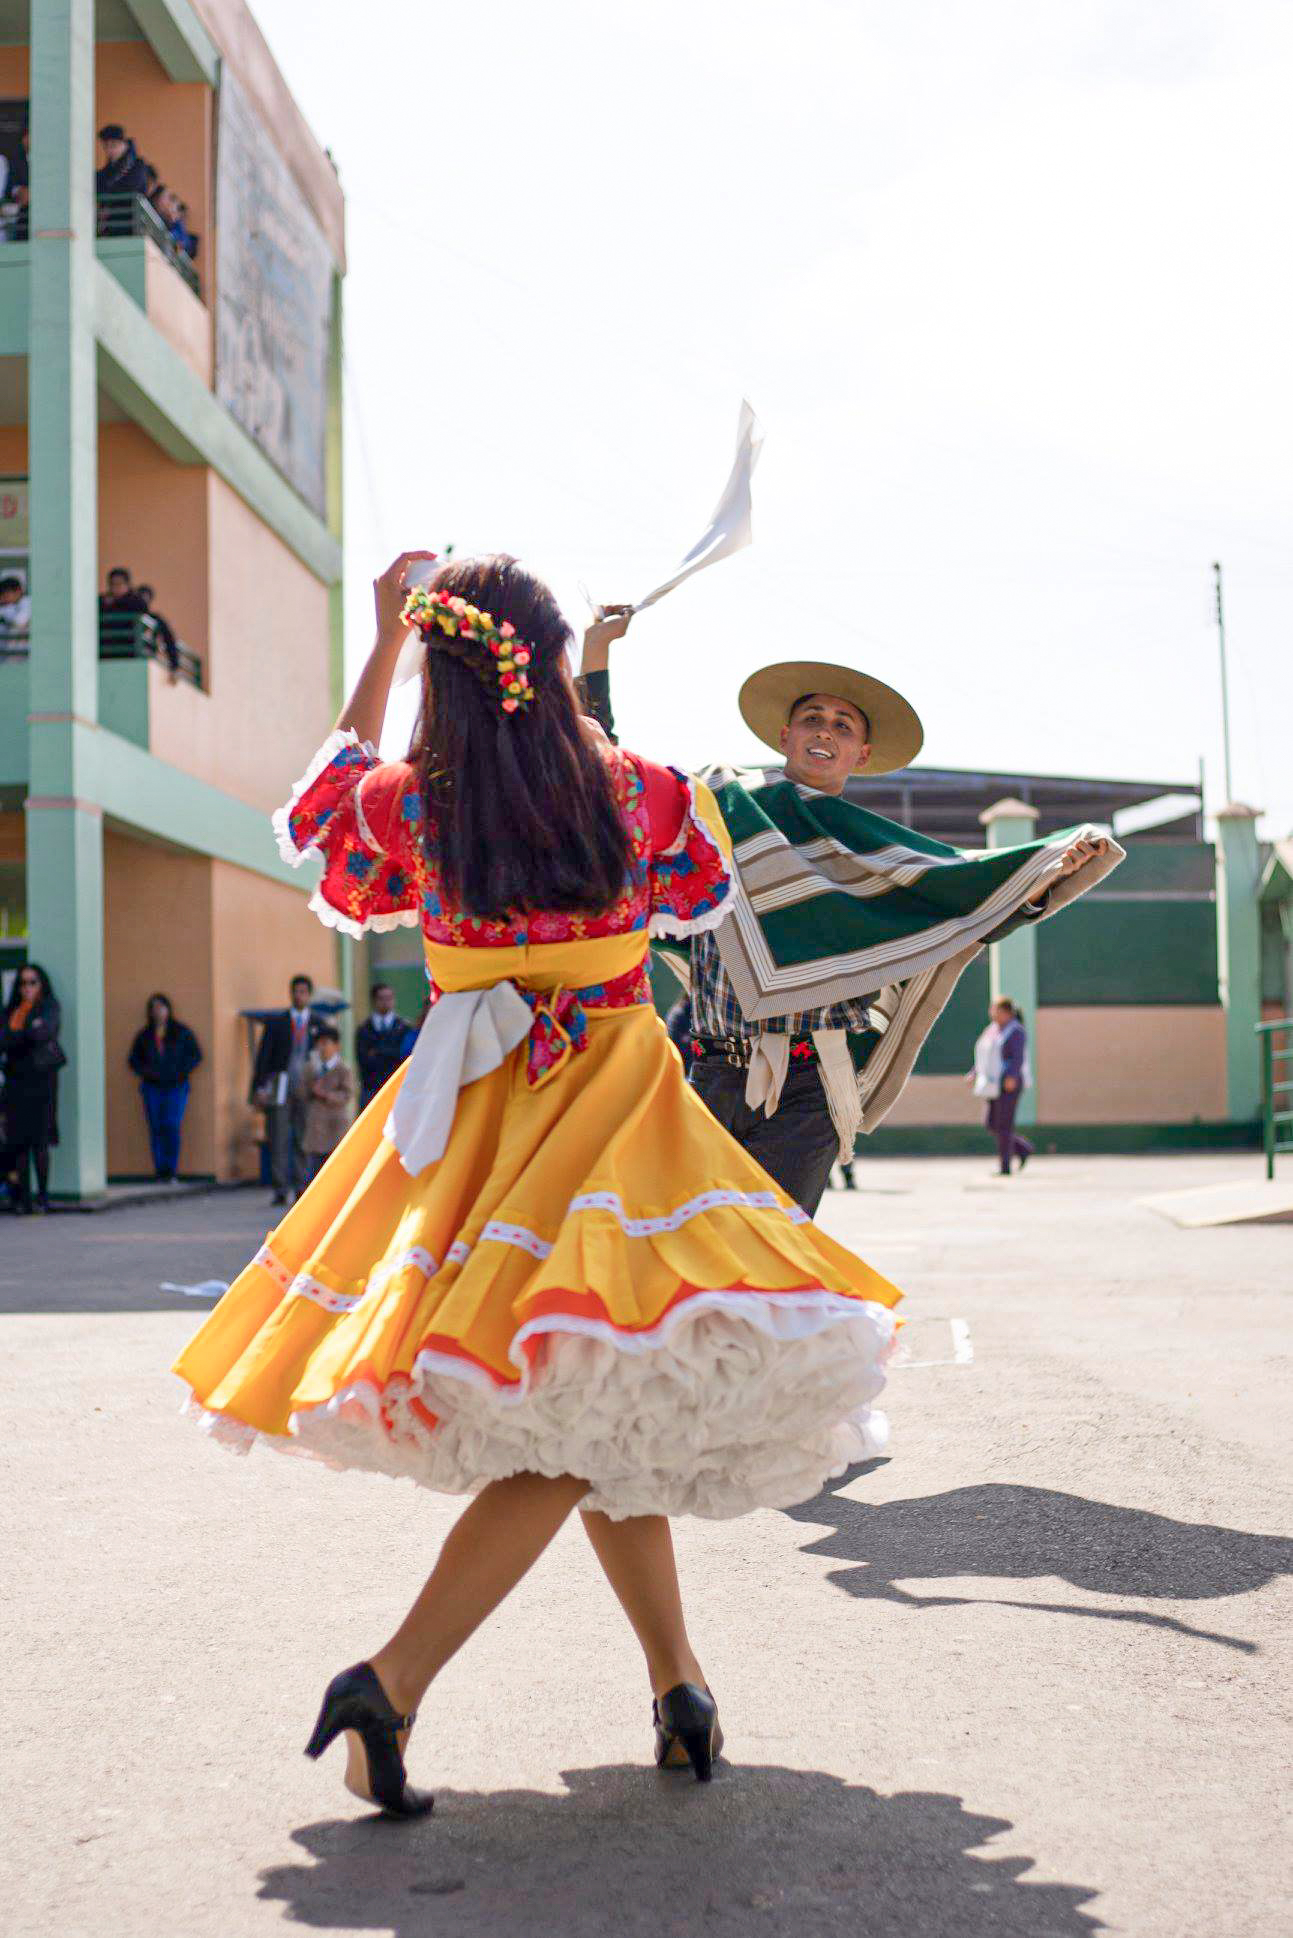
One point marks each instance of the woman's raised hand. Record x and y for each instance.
(610, 624)
(391, 590)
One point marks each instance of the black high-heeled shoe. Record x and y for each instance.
(686, 1730)
(356, 1700)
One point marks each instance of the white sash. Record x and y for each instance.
(468, 1033)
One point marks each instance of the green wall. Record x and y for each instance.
(949, 1048)
(1142, 952)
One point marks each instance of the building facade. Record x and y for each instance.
(1141, 1001)
(177, 412)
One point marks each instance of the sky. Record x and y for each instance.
(1008, 285)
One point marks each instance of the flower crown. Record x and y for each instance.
(443, 611)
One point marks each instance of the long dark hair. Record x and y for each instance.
(158, 996)
(46, 987)
(520, 805)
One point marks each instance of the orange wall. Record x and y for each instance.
(215, 939)
(262, 935)
(1151, 1065)
(1147, 1065)
(180, 316)
(268, 705)
(170, 121)
(153, 520)
(157, 935)
(236, 595)
(15, 73)
(936, 1100)
(13, 450)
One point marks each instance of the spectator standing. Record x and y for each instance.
(15, 608)
(1001, 1075)
(18, 190)
(279, 1087)
(122, 173)
(380, 1043)
(161, 629)
(330, 1094)
(164, 1056)
(120, 595)
(32, 1058)
(189, 241)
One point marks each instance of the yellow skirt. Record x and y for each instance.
(594, 1279)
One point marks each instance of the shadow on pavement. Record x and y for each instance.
(627, 1851)
(1023, 1533)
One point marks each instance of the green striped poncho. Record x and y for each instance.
(836, 902)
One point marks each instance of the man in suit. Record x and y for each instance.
(279, 1087)
(379, 1043)
(330, 1093)
(1012, 1061)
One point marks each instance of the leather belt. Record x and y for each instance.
(737, 1050)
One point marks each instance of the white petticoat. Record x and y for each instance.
(734, 1403)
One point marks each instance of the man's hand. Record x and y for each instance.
(1083, 850)
(601, 636)
(1010, 1083)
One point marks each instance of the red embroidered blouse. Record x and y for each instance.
(367, 820)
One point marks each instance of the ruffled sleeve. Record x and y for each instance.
(350, 809)
(691, 862)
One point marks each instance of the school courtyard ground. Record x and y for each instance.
(1028, 1675)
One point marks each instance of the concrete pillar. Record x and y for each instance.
(349, 952)
(1012, 964)
(1239, 955)
(64, 822)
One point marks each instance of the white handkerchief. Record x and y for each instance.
(730, 527)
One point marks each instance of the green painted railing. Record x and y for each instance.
(134, 215)
(122, 635)
(1277, 1118)
(134, 635)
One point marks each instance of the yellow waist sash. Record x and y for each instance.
(491, 1000)
(538, 966)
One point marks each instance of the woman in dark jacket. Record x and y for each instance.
(32, 1059)
(163, 1056)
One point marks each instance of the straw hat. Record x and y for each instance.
(768, 695)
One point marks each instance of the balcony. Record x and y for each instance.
(134, 215)
(138, 252)
(122, 636)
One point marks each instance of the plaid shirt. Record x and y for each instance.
(716, 1012)
(714, 1008)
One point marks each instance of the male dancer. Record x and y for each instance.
(810, 1003)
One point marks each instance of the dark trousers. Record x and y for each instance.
(285, 1124)
(17, 1163)
(796, 1146)
(1000, 1120)
(164, 1105)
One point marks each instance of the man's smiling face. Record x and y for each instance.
(824, 741)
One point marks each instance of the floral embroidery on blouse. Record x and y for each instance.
(369, 822)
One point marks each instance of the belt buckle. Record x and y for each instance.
(732, 1055)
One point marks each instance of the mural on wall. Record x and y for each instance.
(274, 283)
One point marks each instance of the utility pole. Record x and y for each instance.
(1225, 689)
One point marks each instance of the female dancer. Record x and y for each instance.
(32, 1057)
(535, 1269)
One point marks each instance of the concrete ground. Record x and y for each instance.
(1027, 1676)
